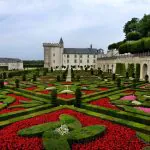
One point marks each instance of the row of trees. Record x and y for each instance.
(134, 47)
(134, 30)
(131, 71)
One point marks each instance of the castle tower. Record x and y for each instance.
(53, 54)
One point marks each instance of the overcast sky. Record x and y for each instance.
(26, 24)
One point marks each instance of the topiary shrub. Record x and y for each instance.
(127, 75)
(137, 71)
(118, 82)
(134, 81)
(17, 83)
(24, 77)
(78, 77)
(34, 77)
(4, 75)
(51, 69)
(54, 97)
(114, 77)
(58, 78)
(92, 71)
(1, 83)
(146, 78)
(78, 95)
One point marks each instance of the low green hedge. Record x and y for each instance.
(11, 115)
(118, 113)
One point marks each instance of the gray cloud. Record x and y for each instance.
(26, 24)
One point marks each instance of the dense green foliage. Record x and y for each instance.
(54, 97)
(137, 71)
(120, 69)
(33, 63)
(131, 69)
(78, 95)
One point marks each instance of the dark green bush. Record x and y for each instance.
(17, 83)
(78, 95)
(54, 98)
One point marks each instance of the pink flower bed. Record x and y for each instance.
(117, 137)
(16, 102)
(86, 92)
(103, 89)
(104, 102)
(146, 110)
(129, 97)
(5, 83)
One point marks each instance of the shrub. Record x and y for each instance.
(133, 36)
(146, 78)
(134, 81)
(54, 98)
(92, 71)
(17, 83)
(1, 83)
(78, 95)
(34, 77)
(131, 69)
(118, 82)
(113, 77)
(24, 77)
(4, 75)
(58, 78)
(78, 77)
(127, 75)
(133, 75)
(51, 69)
(137, 71)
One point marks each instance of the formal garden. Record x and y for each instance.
(81, 110)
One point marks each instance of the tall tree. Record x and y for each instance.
(131, 26)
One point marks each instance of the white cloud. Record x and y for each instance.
(28, 23)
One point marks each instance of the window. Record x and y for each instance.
(75, 56)
(94, 66)
(67, 61)
(67, 55)
(75, 61)
(94, 56)
(53, 61)
(80, 56)
(87, 56)
(88, 61)
(94, 61)
(53, 54)
(80, 61)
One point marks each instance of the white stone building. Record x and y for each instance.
(56, 56)
(108, 62)
(11, 64)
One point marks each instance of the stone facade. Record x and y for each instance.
(11, 64)
(56, 56)
(106, 63)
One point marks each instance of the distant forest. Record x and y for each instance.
(33, 63)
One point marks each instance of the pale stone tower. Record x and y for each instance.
(53, 54)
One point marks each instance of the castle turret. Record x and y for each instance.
(61, 41)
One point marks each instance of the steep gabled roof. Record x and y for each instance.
(81, 51)
(9, 60)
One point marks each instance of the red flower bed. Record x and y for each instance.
(104, 102)
(86, 92)
(51, 85)
(129, 91)
(66, 96)
(66, 83)
(45, 92)
(16, 102)
(31, 88)
(117, 137)
(84, 85)
(103, 89)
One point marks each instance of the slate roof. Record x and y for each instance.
(9, 60)
(81, 51)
